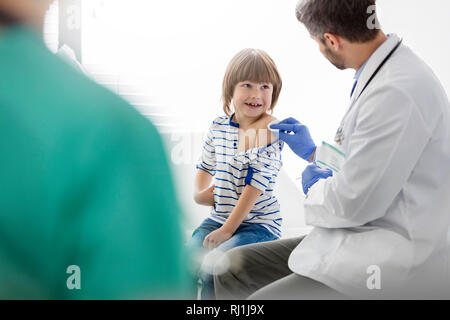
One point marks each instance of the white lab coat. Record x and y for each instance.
(381, 224)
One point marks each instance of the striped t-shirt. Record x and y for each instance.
(233, 170)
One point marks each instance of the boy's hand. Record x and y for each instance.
(206, 197)
(215, 238)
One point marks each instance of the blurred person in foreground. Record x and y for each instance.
(84, 181)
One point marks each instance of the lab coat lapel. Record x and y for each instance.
(375, 60)
(373, 63)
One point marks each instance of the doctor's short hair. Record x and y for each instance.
(350, 19)
(250, 65)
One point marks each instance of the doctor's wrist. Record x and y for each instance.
(313, 155)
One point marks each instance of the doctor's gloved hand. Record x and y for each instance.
(312, 174)
(297, 136)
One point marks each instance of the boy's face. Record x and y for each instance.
(251, 99)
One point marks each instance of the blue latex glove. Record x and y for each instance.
(300, 141)
(312, 174)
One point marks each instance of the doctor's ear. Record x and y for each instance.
(332, 41)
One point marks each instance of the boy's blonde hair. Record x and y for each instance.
(250, 65)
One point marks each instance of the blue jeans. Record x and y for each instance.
(246, 233)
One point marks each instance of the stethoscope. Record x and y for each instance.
(339, 134)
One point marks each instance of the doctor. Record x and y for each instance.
(381, 223)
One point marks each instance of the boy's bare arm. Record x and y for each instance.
(203, 190)
(245, 203)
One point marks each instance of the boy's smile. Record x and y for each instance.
(253, 105)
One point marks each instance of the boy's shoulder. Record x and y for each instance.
(265, 136)
(264, 122)
(258, 135)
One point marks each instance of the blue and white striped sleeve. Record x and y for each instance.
(207, 161)
(265, 168)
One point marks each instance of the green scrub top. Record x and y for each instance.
(84, 182)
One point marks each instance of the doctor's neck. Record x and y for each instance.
(359, 52)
